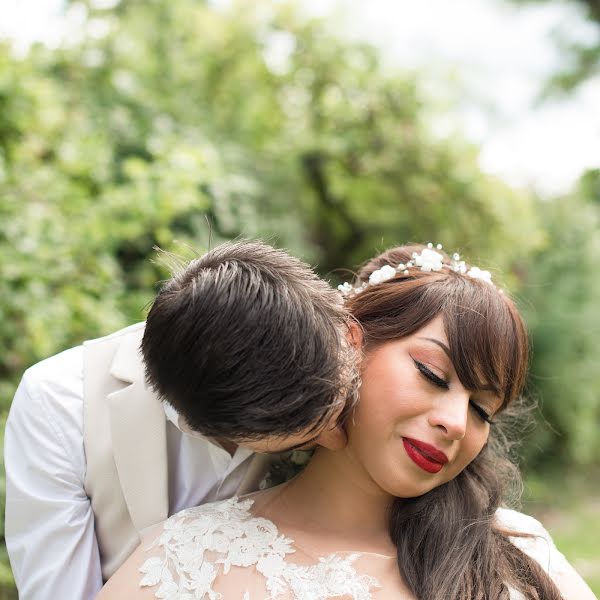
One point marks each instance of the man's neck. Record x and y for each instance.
(227, 445)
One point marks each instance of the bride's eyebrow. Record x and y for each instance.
(483, 388)
(438, 343)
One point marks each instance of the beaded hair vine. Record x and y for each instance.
(427, 260)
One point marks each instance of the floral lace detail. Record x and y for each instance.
(230, 533)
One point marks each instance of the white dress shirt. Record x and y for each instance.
(49, 521)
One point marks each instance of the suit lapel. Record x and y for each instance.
(138, 430)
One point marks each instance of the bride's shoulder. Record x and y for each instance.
(195, 547)
(233, 510)
(532, 538)
(189, 547)
(519, 522)
(223, 550)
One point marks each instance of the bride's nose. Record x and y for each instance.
(450, 414)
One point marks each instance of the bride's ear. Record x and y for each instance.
(335, 438)
(354, 336)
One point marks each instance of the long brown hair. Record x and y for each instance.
(447, 543)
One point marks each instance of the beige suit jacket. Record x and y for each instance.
(125, 445)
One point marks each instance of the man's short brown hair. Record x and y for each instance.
(246, 342)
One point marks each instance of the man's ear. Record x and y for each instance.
(333, 438)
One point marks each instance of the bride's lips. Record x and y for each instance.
(426, 456)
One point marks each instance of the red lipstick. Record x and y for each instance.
(426, 456)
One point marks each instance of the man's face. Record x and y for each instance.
(331, 435)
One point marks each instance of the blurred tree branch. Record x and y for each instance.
(582, 60)
(331, 209)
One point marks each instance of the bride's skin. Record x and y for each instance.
(342, 496)
(340, 501)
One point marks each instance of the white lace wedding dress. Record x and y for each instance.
(221, 551)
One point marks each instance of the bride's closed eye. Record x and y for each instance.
(430, 375)
(443, 384)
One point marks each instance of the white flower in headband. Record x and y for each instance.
(477, 273)
(345, 288)
(427, 260)
(458, 265)
(386, 272)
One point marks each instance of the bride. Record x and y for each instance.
(410, 508)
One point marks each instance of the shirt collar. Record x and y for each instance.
(174, 417)
(179, 422)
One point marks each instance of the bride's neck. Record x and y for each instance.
(334, 495)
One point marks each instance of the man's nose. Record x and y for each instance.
(451, 413)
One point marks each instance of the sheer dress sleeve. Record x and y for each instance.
(220, 550)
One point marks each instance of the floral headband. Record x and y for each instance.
(427, 260)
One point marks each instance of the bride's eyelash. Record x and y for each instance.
(429, 374)
(482, 413)
(441, 383)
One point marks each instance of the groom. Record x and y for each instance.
(245, 347)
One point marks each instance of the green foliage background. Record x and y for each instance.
(161, 117)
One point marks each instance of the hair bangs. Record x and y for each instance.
(487, 338)
(486, 334)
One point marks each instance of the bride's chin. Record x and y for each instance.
(408, 485)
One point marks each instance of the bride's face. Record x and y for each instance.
(416, 426)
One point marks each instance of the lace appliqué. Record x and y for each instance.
(230, 533)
